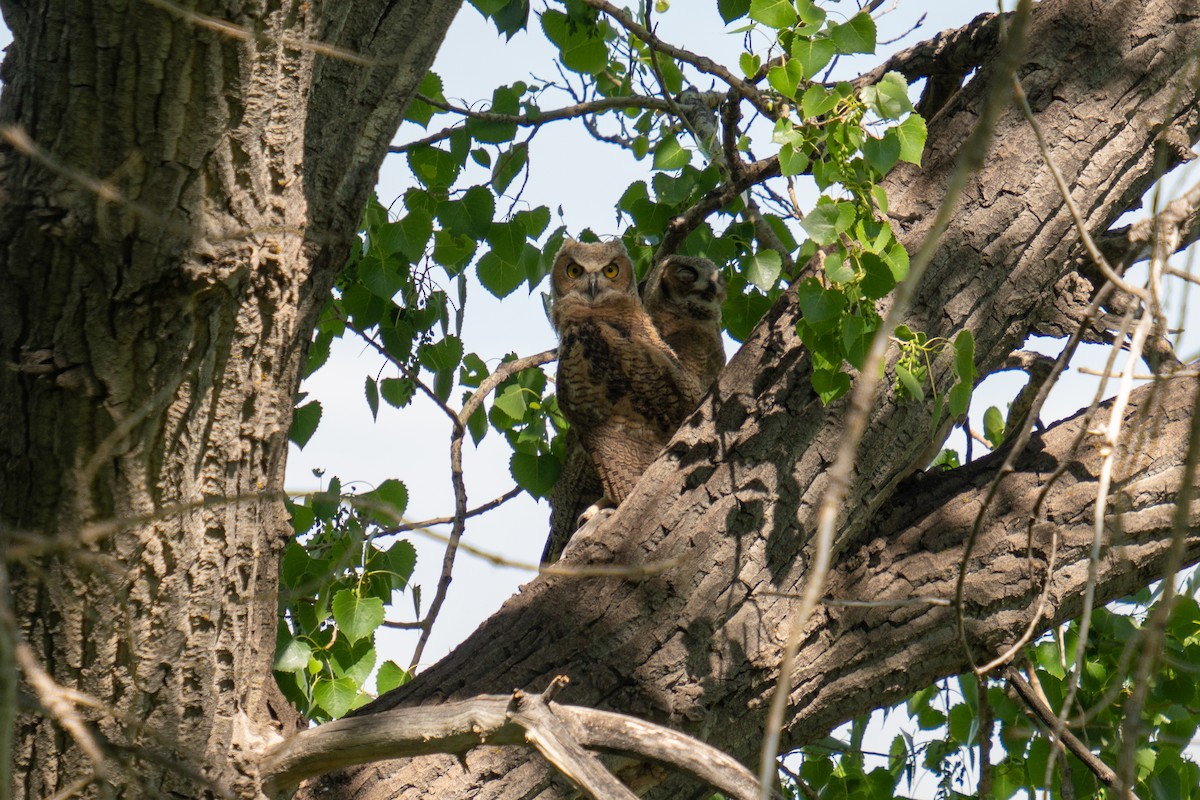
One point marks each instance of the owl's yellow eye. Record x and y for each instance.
(611, 270)
(574, 270)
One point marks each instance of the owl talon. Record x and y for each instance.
(600, 510)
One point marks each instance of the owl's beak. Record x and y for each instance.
(592, 286)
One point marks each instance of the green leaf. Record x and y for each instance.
(504, 101)
(535, 474)
(947, 459)
(418, 110)
(372, 391)
(889, 97)
(443, 355)
(993, 426)
(964, 356)
(513, 17)
(383, 276)
(507, 239)
(670, 155)
(830, 384)
(786, 77)
(386, 503)
(473, 371)
(452, 251)
(776, 13)
(398, 392)
(477, 425)
(763, 269)
(749, 62)
(302, 517)
(356, 617)
(391, 676)
(291, 655)
(811, 15)
(792, 161)
(353, 660)
(471, 214)
(733, 9)
(433, 167)
(877, 277)
(827, 220)
(398, 561)
(856, 337)
(882, 154)
(1049, 658)
(533, 221)
(513, 401)
(960, 399)
(910, 383)
(583, 48)
(509, 166)
(897, 260)
(963, 724)
(336, 696)
(820, 307)
(742, 311)
(304, 422)
(413, 232)
(817, 100)
(812, 55)
(838, 268)
(856, 35)
(498, 276)
(912, 133)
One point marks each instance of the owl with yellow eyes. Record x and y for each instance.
(621, 387)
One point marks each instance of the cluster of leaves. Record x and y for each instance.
(913, 368)
(1028, 760)
(1169, 720)
(335, 580)
(845, 140)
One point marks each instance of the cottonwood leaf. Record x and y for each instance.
(356, 616)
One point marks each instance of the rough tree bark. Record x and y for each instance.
(734, 498)
(180, 187)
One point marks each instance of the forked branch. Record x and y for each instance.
(559, 732)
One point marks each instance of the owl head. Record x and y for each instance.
(688, 286)
(591, 275)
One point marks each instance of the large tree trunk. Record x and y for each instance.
(734, 499)
(180, 187)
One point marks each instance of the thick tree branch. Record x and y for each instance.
(516, 719)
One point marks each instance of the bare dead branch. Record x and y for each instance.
(459, 726)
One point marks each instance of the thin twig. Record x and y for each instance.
(474, 512)
(580, 109)
(702, 63)
(1060, 732)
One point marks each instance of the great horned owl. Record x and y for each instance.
(683, 296)
(619, 385)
